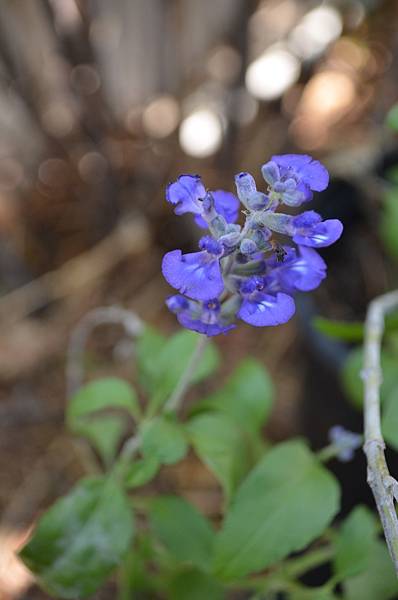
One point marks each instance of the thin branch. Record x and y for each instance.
(81, 272)
(382, 484)
(132, 324)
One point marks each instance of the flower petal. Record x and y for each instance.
(306, 272)
(209, 329)
(321, 235)
(197, 275)
(311, 171)
(263, 309)
(225, 204)
(185, 193)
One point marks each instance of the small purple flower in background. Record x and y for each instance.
(241, 272)
(346, 442)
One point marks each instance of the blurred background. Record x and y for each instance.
(101, 105)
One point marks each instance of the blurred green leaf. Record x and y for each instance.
(148, 347)
(81, 539)
(286, 501)
(350, 331)
(341, 330)
(164, 440)
(355, 543)
(246, 397)
(392, 118)
(392, 174)
(137, 576)
(192, 584)
(162, 363)
(351, 375)
(389, 420)
(85, 413)
(377, 582)
(389, 222)
(222, 446)
(185, 532)
(312, 594)
(141, 471)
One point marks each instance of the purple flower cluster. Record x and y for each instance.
(240, 272)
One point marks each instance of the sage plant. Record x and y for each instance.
(278, 502)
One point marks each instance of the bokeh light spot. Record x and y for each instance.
(272, 73)
(201, 133)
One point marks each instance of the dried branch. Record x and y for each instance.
(133, 327)
(384, 487)
(127, 239)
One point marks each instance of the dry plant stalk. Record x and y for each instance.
(384, 487)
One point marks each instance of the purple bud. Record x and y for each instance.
(247, 246)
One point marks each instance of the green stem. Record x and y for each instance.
(327, 453)
(283, 576)
(174, 401)
(296, 567)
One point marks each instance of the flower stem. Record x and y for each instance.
(174, 401)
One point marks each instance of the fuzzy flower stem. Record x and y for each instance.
(384, 487)
(174, 401)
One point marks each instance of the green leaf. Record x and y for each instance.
(389, 222)
(377, 582)
(246, 397)
(81, 539)
(350, 331)
(389, 420)
(355, 543)
(351, 375)
(192, 584)
(222, 446)
(141, 472)
(341, 330)
(392, 118)
(169, 361)
(101, 394)
(85, 413)
(164, 440)
(136, 576)
(284, 503)
(185, 532)
(148, 348)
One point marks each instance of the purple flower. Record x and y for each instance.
(205, 317)
(308, 229)
(260, 308)
(300, 271)
(345, 441)
(225, 204)
(293, 177)
(186, 194)
(198, 274)
(240, 271)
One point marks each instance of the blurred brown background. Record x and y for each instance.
(101, 104)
